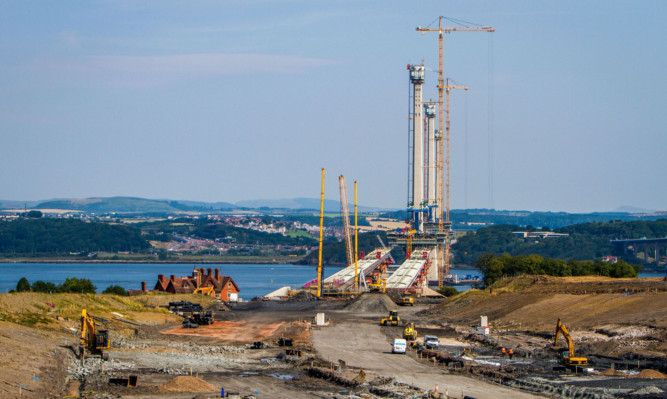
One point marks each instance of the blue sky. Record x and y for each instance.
(235, 100)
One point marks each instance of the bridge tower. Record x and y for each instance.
(416, 203)
(430, 162)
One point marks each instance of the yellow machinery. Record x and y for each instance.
(393, 319)
(410, 333)
(408, 299)
(567, 356)
(92, 340)
(379, 286)
(210, 290)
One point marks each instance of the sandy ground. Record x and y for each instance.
(364, 345)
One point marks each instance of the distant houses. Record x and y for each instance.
(204, 281)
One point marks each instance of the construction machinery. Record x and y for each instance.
(566, 356)
(410, 333)
(92, 340)
(392, 319)
(206, 290)
(407, 299)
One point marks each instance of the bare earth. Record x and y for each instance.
(364, 345)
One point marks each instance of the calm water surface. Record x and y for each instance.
(253, 280)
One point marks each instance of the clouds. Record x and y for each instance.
(150, 71)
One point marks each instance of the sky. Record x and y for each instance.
(248, 99)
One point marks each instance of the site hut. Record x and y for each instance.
(202, 280)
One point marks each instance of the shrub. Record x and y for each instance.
(23, 285)
(448, 291)
(116, 290)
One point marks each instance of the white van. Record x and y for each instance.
(400, 345)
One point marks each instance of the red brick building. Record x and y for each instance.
(202, 280)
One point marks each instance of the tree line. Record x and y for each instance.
(70, 285)
(496, 267)
(39, 236)
(585, 241)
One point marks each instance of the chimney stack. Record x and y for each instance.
(210, 272)
(173, 278)
(217, 274)
(143, 286)
(160, 278)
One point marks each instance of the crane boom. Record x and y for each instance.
(345, 213)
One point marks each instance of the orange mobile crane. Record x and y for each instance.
(567, 355)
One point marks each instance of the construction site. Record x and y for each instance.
(372, 330)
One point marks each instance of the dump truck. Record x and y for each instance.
(407, 299)
(392, 319)
(410, 333)
(566, 356)
(92, 340)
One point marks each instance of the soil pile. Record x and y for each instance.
(372, 303)
(648, 373)
(302, 296)
(187, 384)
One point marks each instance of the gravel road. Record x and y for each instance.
(364, 345)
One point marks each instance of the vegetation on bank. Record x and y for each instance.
(71, 284)
(63, 236)
(586, 241)
(495, 267)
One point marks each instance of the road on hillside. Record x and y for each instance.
(362, 344)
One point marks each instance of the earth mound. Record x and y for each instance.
(648, 373)
(184, 383)
(372, 303)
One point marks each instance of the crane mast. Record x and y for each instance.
(443, 250)
(345, 213)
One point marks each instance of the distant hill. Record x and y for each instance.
(302, 203)
(115, 204)
(633, 209)
(8, 204)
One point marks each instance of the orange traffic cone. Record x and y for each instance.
(436, 388)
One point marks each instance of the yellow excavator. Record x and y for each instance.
(410, 333)
(567, 357)
(92, 340)
(393, 319)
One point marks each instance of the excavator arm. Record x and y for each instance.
(560, 328)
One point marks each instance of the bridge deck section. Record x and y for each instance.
(367, 264)
(406, 274)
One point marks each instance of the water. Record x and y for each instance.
(252, 280)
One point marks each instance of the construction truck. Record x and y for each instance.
(408, 299)
(393, 319)
(410, 333)
(92, 340)
(566, 356)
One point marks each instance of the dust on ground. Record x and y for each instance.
(351, 355)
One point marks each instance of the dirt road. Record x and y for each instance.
(364, 345)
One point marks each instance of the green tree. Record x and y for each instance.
(23, 285)
(116, 290)
(41, 286)
(73, 284)
(34, 214)
(448, 291)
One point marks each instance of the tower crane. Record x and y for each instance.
(345, 213)
(441, 88)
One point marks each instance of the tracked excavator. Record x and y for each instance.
(92, 341)
(567, 357)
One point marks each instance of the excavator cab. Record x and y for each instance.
(102, 340)
(408, 299)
